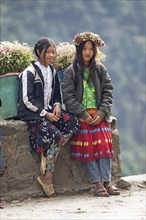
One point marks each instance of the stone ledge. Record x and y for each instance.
(19, 169)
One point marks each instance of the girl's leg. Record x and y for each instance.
(95, 174)
(67, 125)
(106, 167)
(45, 137)
(51, 156)
(94, 171)
(43, 134)
(46, 180)
(47, 177)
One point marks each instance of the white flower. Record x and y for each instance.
(65, 55)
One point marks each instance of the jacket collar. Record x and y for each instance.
(38, 71)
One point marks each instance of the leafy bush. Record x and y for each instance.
(14, 57)
(65, 55)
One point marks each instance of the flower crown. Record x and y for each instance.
(95, 38)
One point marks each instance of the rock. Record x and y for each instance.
(123, 184)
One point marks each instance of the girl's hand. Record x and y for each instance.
(57, 110)
(51, 117)
(96, 120)
(89, 120)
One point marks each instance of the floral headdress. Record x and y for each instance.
(95, 38)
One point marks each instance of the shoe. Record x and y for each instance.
(43, 164)
(112, 190)
(101, 192)
(48, 189)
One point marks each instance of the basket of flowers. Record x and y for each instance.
(14, 58)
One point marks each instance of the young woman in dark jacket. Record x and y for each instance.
(40, 106)
(87, 92)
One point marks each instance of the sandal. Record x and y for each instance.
(48, 189)
(43, 164)
(101, 192)
(112, 190)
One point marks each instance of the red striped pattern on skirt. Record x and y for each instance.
(92, 142)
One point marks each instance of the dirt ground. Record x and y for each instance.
(130, 205)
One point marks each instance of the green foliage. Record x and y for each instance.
(14, 57)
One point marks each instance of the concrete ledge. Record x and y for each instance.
(19, 169)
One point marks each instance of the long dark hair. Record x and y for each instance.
(42, 45)
(78, 61)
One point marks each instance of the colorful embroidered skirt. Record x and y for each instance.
(92, 142)
(43, 134)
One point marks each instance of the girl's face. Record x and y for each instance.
(87, 53)
(48, 57)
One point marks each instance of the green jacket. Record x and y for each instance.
(73, 94)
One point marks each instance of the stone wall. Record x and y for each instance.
(19, 168)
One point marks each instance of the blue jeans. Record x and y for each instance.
(100, 170)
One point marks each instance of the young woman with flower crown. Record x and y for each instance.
(40, 107)
(87, 92)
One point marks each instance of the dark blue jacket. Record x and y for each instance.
(31, 92)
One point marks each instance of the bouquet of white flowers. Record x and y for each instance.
(14, 57)
(65, 55)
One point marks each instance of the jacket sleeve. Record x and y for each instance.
(69, 95)
(57, 94)
(27, 92)
(107, 93)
